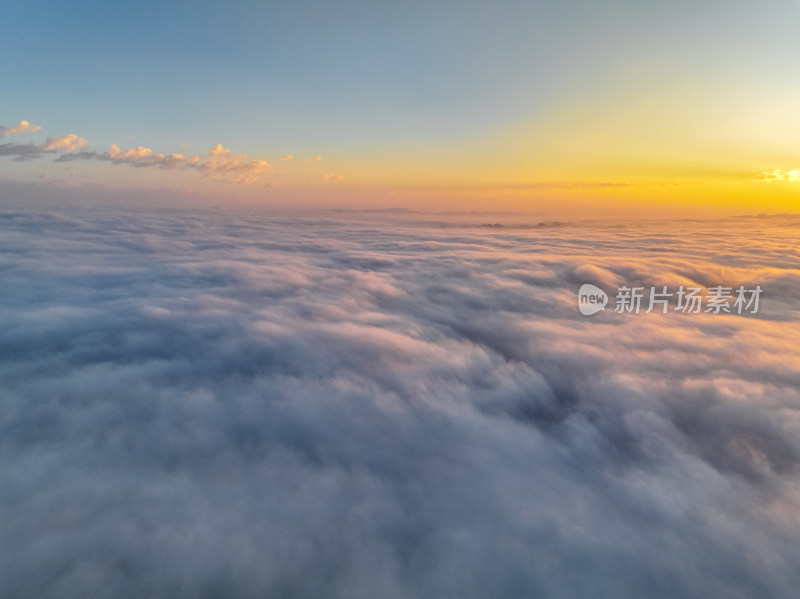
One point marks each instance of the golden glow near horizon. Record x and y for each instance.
(624, 152)
(623, 156)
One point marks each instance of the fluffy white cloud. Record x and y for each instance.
(21, 127)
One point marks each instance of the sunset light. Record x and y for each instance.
(400, 300)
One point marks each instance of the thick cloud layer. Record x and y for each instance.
(214, 404)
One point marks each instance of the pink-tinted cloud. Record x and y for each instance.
(21, 127)
(238, 168)
(220, 162)
(65, 144)
(141, 156)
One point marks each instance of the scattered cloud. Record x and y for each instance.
(52, 145)
(287, 157)
(791, 176)
(21, 127)
(65, 144)
(21, 152)
(332, 177)
(219, 163)
(137, 154)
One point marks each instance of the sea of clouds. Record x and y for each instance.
(234, 404)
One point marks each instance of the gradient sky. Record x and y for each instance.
(595, 106)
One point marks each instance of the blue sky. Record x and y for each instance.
(515, 91)
(308, 73)
(314, 72)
